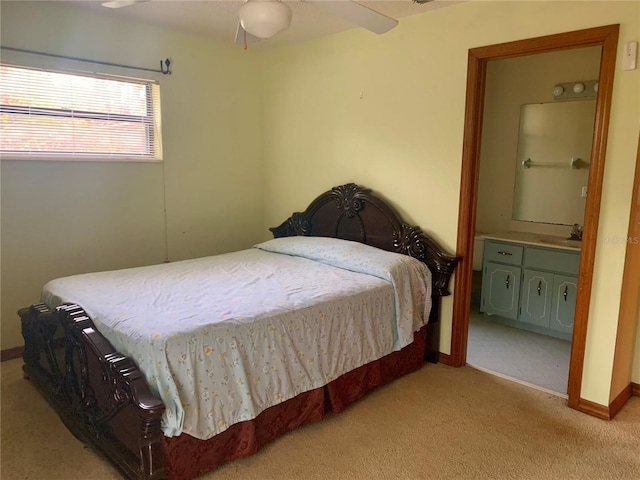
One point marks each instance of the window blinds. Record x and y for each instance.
(46, 114)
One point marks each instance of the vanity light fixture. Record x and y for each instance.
(575, 90)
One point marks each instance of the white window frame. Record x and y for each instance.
(152, 122)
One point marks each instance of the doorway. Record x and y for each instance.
(607, 38)
(530, 191)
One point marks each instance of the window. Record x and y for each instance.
(46, 114)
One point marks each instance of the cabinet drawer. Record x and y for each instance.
(503, 253)
(555, 260)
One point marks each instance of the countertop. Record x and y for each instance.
(536, 239)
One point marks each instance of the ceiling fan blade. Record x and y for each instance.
(357, 14)
(241, 38)
(122, 3)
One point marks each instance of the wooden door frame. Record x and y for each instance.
(621, 388)
(607, 38)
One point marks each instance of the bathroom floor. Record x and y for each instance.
(528, 357)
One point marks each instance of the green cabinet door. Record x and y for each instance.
(501, 290)
(563, 303)
(535, 306)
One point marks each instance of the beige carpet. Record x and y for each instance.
(438, 423)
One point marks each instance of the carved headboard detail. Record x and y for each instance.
(352, 212)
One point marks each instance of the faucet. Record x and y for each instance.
(576, 232)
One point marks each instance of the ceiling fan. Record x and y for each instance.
(262, 19)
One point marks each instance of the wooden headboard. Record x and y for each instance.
(352, 212)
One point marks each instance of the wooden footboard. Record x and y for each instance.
(102, 397)
(99, 394)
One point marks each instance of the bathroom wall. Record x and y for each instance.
(510, 84)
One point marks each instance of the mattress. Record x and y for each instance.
(221, 339)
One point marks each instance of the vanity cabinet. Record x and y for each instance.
(563, 304)
(535, 306)
(530, 287)
(501, 279)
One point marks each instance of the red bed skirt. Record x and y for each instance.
(186, 457)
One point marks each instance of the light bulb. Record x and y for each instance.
(578, 88)
(595, 87)
(558, 90)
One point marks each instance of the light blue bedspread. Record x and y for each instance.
(220, 339)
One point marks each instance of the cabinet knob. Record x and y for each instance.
(507, 281)
(540, 288)
(503, 253)
(564, 294)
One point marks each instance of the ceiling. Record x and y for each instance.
(219, 19)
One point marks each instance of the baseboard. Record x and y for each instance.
(635, 389)
(11, 353)
(607, 412)
(593, 409)
(619, 401)
(445, 359)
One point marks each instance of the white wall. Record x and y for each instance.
(388, 112)
(61, 218)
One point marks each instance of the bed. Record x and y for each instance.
(111, 397)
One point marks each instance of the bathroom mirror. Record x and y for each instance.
(552, 169)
